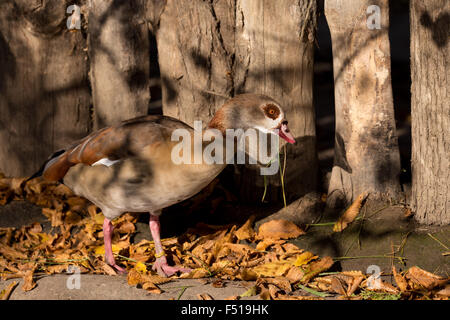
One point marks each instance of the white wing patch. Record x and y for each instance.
(105, 162)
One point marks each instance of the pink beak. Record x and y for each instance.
(284, 132)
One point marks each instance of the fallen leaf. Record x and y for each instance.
(402, 284)
(6, 293)
(272, 269)
(350, 214)
(28, 281)
(295, 274)
(304, 258)
(140, 267)
(317, 267)
(134, 277)
(444, 292)
(338, 286)
(279, 229)
(151, 288)
(424, 278)
(253, 291)
(246, 231)
(204, 296)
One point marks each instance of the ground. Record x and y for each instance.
(385, 232)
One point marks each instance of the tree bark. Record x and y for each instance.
(366, 148)
(44, 91)
(119, 57)
(274, 56)
(195, 44)
(430, 110)
(211, 50)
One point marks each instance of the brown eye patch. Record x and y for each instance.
(271, 111)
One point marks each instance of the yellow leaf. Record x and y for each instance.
(304, 258)
(100, 250)
(5, 293)
(140, 267)
(253, 291)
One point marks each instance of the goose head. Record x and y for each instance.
(255, 111)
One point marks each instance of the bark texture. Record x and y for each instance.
(196, 44)
(44, 91)
(274, 56)
(211, 50)
(366, 148)
(119, 60)
(430, 110)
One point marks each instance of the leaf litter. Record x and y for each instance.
(229, 252)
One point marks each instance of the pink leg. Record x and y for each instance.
(160, 265)
(107, 236)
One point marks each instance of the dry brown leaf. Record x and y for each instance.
(6, 293)
(350, 214)
(266, 243)
(204, 296)
(248, 275)
(12, 253)
(264, 294)
(402, 284)
(28, 281)
(354, 285)
(232, 298)
(106, 268)
(338, 286)
(272, 269)
(444, 292)
(134, 277)
(218, 283)
(195, 274)
(151, 288)
(246, 231)
(280, 282)
(424, 278)
(279, 229)
(295, 274)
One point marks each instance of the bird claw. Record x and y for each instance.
(164, 270)
(119, 269)
(112, 263)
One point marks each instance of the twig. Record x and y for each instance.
(314, 292)
(132, 260)
(183, 289)
(282, 174)
(365, 257)
(437, 240)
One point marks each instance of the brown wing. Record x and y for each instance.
(115, 142)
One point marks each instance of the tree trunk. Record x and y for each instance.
(119, 56)
(195, 44)
(274, 56)
(430, 110)
(44, 91)
(211, 50)
(366, 149)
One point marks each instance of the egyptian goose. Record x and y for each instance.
(128, 167)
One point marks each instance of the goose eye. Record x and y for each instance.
(271, 111)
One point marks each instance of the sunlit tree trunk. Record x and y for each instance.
(366, 149)
(430, 110)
